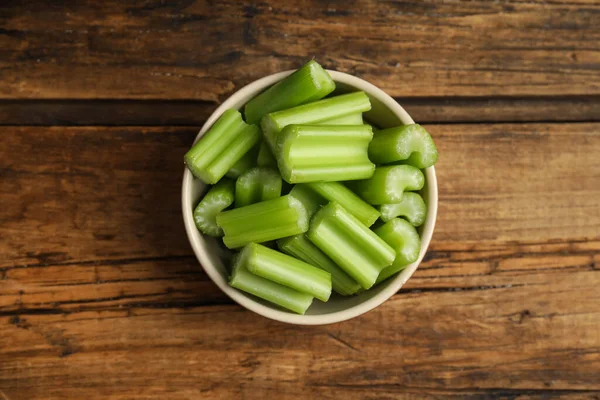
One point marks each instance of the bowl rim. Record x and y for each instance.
(196, 239)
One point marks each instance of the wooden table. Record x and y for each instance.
(102, 298)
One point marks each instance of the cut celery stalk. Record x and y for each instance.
(247, 162)
(313, 113)
(265, 157)
(350, 119)
(300, 247)
(308, 197)
(309, 83)
(256, 185)
(389, 183)
(411, 144)
(312, 153)
(350, 244)
(265, 289)
(337, 192)
(404, 238)
(268, 220)
(412, 207)
(221, 147)
(218, 198)
(288, 271)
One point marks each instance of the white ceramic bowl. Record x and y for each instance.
(385, 113)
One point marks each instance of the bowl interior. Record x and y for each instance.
(214, 257)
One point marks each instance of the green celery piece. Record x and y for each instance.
(312, 153)
(336, 191)
(411, 207)
(309, 83)
(404, 238)
(256, 185)
(411, 144)
(387, 184)
(313, 114)
(350, 244)
(245, 163)
(308, 197)
(218, 198)
(265, 157)
(300, 247)
(288, 271)
(265, 289)
(268, 220)
(221, 147)
(350, 119)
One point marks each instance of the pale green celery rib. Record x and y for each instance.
(313, 113)
(247, 162)
(404, 238)
(218, 198)
(312, 153)
(337, 192)
(288, 271)
(256, 185)
(309, 83)
(265, 157)
(411, 207)
(300, 247)
(244, 280)
(350, 119)
(411, 144)
(268, 220)
(225, 143)
(388, 184)
(308, 197)
(350, 244)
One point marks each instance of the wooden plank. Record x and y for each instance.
(197, 50)
(98, 194)
(534, 337)
(173, 113)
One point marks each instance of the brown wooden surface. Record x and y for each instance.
(102, 298)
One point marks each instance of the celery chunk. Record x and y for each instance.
(388, 184)
(313, 153)
(350, 244)
(225, 143)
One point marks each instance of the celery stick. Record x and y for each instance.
(404, 238)
(337, 192)
(265, 157)
(350, 119)
(218, 198)
(288, 271)
(350, 244)
(389, 183)
(312, 153)
(256, 185)
(411, 144)
(313, 113)
(280, 295)
(300, 247)
(268, 220)
(308, 197)
(412, 207)
(245, 163)
(221, 147)
(309, 83)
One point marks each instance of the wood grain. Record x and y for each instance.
(100, 293)
(536, 336)
(204, 50)
(173, 113)
(88, 194)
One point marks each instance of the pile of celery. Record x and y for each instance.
(345, 218)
